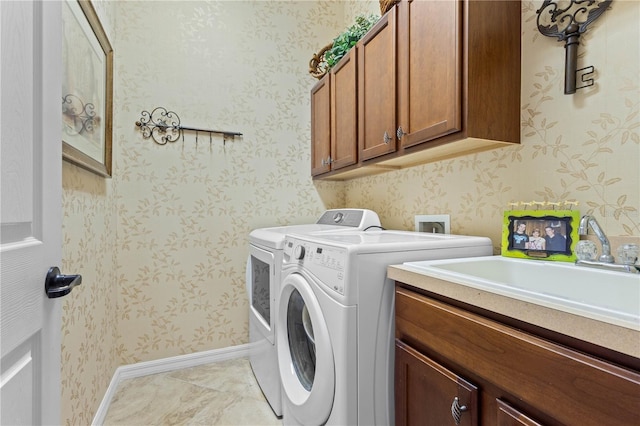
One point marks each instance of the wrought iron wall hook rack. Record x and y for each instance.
(567, 20)
(164, 126)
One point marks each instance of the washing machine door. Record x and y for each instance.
(305, 355)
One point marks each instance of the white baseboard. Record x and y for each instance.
(162, 366)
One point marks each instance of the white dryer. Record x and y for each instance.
(263, 284)
(337, 306)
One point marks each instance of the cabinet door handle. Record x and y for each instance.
(400, 133)
(386, 138)
(457, 410)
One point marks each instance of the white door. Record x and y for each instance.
(30, 214)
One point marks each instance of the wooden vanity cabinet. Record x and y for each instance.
(521, 379)
(334, 118)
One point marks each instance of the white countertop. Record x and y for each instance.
(607, 335)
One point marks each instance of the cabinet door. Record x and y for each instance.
(320, 126)
(426, 392)
(429, 69)
(344, 112)
(509, 416)
(377, 89)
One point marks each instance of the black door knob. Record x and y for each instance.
(58, 285)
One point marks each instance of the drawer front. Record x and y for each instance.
(567, 385)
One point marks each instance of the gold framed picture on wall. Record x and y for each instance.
(87, 89)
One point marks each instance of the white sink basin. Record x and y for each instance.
(608, 296)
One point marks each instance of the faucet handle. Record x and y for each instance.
(628, 254)
(586, 250)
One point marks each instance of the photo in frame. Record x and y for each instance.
(540, 234)
(87, 89)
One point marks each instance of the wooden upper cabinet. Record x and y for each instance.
(377, 89)
(430, 35)
(435, 80)
(459, 72)
(320, 126)
(492, 77)
(344, 112)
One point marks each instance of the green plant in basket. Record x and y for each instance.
(349, 38)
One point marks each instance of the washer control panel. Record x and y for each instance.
(327, 263)
(351, 218)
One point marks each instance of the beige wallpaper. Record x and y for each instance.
(89, 313)
(89, 321)
(185, 209)
(162, 245)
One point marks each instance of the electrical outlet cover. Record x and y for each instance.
(439, 224)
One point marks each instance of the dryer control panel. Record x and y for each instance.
(325, 262)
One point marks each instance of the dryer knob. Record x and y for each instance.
(298, 252)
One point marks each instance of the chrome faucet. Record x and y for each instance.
(590, 221)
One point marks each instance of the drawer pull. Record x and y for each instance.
(457, 410)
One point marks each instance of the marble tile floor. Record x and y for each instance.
(222, 393)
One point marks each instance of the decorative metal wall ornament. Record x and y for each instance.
(567, 20)
(81, 117)
(164, 126)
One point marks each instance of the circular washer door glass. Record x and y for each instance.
(301, 340)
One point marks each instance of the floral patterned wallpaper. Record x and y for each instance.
(162, 245)
(89, 321)
(89, 326)
(185, 209)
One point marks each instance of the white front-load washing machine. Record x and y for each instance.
(336, 305)
(263, 284)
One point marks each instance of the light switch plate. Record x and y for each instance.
(436, 224)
